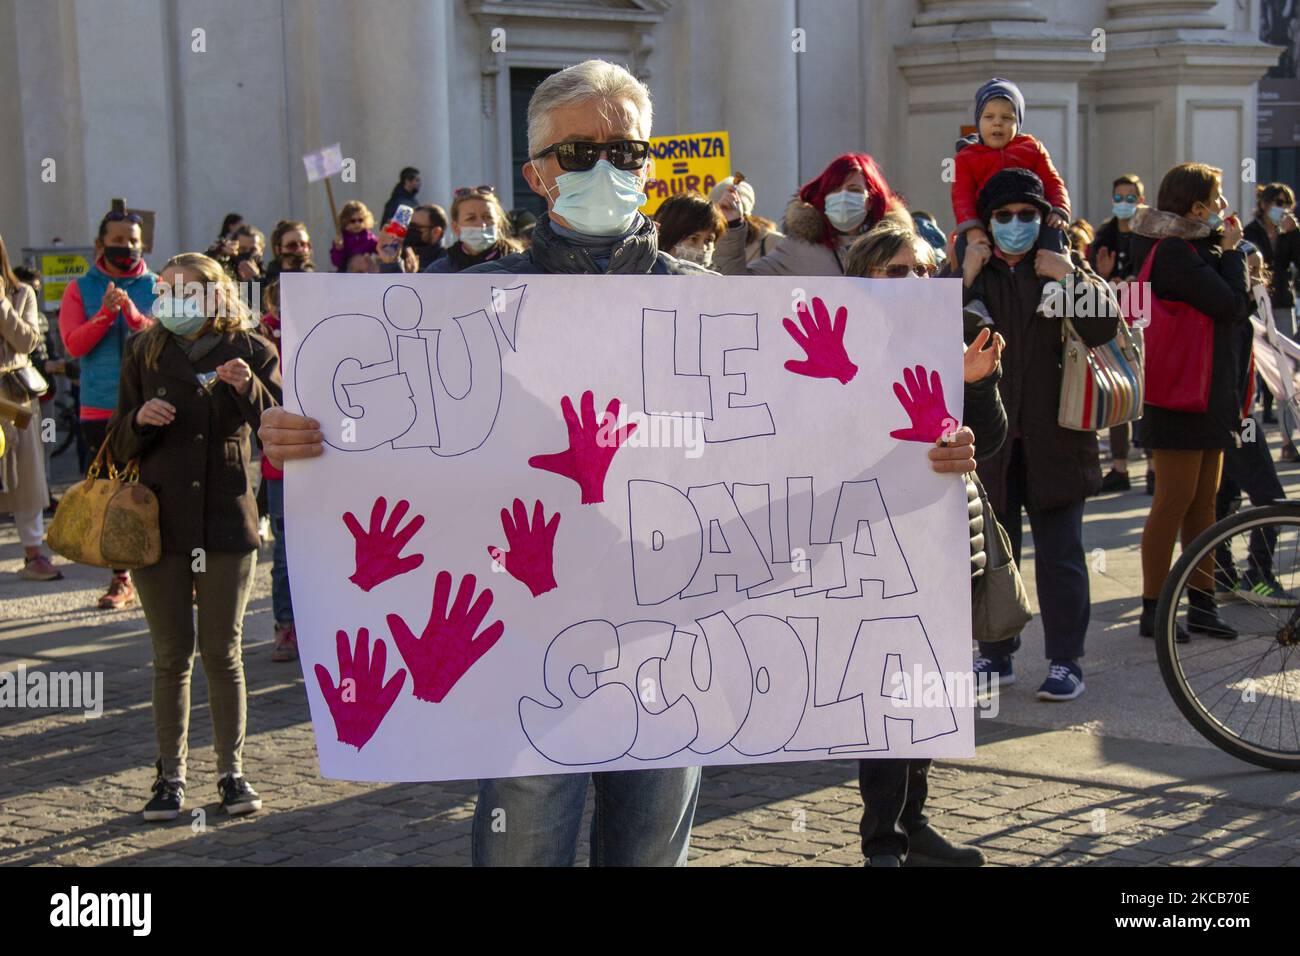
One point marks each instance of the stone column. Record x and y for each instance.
(760, 105)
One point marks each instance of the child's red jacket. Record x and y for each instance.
(976, 164)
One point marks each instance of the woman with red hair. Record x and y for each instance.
(821, 222)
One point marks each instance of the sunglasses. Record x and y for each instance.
(464, 191)
(1004, 216)
(578, 156)
(358, 220)
(116, 216)
(1121, 198)
(296, 245)
(899, 270)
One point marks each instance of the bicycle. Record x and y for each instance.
(1241, 693)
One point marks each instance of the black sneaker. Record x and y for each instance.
(238, 795)
(168, 797)
(1260, 587)
(1115, 481)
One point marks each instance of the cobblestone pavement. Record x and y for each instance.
(71, 788)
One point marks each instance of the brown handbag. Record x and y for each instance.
(108, 522)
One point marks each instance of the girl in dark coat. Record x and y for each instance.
(1197, 262)
(191, 390)
(894, 826)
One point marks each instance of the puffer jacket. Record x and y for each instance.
(800, 252)
(987, 418)
(638, 254)
(1190, 266)
(976, 164)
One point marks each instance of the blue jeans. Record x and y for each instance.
(1060, 569)
(281, 605)
(642, 818)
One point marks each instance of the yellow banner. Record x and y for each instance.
(685, 163)
(56, 272)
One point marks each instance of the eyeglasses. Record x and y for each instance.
(464, 191)
(1004, 216)
(899, 270)
(578, 156)
(116, 216)
(1118, 197)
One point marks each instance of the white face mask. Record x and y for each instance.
(601, 201)
(846, 210)
(701, 256)
(478, 238)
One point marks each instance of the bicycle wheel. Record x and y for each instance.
(1242, 694)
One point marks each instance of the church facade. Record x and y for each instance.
(194, 109)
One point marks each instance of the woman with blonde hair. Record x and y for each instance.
(192, 389)
(480, 228)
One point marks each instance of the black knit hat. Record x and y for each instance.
(1008, 186)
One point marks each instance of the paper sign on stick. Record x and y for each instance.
(572, 523)
(324, 163)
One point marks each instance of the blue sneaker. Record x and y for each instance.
(986, 667)
(1064, 681)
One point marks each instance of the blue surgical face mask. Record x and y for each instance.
(601, 201)
(478, 238)
(1015, 237)
(187, 321)
(1124, 210)
(1215, 219)
(1276, 213)
(846, 209)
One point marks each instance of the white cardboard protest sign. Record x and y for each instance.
(747, 566)
(324, 163)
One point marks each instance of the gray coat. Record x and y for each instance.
(800, 252)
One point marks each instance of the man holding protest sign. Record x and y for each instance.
(587, 131)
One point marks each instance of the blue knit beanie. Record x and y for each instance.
(998, 88)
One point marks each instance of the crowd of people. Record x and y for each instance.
(140, 348)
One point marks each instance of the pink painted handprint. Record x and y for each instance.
(823, 341)
(591, 448)
(447, 648)
(531, 548)
(923, 402)
(378, 549)
(361, 700)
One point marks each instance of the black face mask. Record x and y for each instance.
(425, 252)
(122, 258)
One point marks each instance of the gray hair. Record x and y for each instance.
(585, 81)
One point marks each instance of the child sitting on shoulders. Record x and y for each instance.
(355, 234)
(999, 144)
